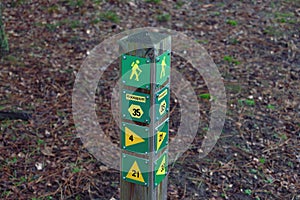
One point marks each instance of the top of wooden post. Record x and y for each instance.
(143, 41)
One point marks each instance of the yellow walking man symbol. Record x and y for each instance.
(163, 67)
(135, 71)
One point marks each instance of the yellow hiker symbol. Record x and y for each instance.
(135, 71)
(163, 67)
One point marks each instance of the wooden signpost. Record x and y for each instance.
(145, 99)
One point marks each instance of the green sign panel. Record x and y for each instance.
(161, 168)
(134, 138)
(135, 170)
(161, 136)
(136, 71)
(162, 100)
(135, 106)
(163, 63)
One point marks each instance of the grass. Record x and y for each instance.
(285, 17)
(75, 168)
(231, 60)
(202, 41)
(65, 22)
(75, 3)
(248, 192)
(272, 31)
(40, 142)
(179, 4)
(5, 194)
(153, 1)
(205, 96)
(232, 22)
(271, 107)
(163, 17)
(17, 3)
(233, 41)
(262, 160)
(107, 16)
(247, 102)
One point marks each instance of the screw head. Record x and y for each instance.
(124, 57)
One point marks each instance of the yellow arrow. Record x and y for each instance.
(162, 167)
(159, 139)
(132, 138)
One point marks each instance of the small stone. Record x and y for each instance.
(39, 166)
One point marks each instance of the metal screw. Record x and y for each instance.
(155, 184)
(124, 91)
(146, 129)
(157, 59)
(146, 152)
(147, 97)
(124, 156)
(145, 183)
(124, 81)
(124, 147)
(124, 57)
(124, 177)
(124, 115)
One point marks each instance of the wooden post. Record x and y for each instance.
(145, 97)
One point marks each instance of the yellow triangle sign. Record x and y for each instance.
(132, 138)
(160, 138)
(135, 173)
(162, 167)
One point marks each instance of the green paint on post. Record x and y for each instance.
(161, 168)
(161, 136)
(135, 138)
(135, 169)
(163, 63)
(136, 71)
(162, 102)
(135, 106)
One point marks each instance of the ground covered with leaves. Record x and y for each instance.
(255, 45)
